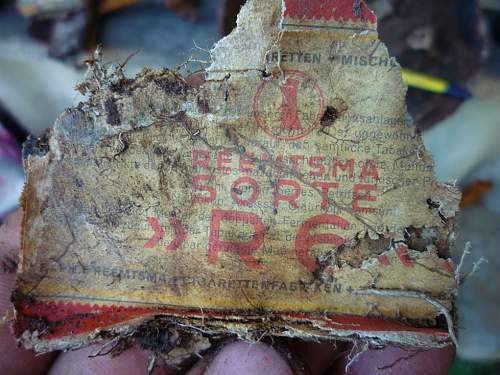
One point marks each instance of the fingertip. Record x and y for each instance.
(397, 360)
(9, 254)
(83, 362)
(16, 360)
(11, 226)
(245, 358)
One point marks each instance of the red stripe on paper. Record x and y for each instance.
(338, 10)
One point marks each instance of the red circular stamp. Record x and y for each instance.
(288, 106)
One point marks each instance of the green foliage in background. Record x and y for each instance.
(463, 367)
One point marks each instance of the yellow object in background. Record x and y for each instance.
(433, 84)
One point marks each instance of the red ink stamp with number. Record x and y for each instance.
(288, 106)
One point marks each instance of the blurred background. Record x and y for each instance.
(450, 50)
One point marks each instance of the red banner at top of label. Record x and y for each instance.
(338, 10)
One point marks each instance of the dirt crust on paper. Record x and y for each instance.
(288, 195)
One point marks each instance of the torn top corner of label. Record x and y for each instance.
(245, 48)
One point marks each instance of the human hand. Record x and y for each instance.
(286, 357)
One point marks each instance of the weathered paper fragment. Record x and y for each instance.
(287, 195)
